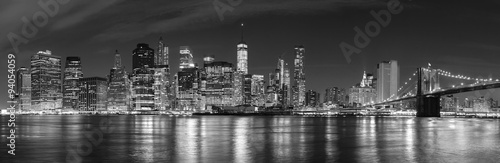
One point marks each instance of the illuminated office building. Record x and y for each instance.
(161, 57)
(72, 73)
(143, 63)
(92, 95)
(299, 78)
(161, 87)
(143, 95)
(273, 89)
(217, 84)
(238, 82)
(242, 55)
(258, 90)
(241, 70)
(286, 89)
(281, 81)
(247, 89)
(46, 81)
(119, 87)
(188, 95)
(162, 84)
(363, 93)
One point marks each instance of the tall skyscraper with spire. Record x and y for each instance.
(299, 87)
(242, 57)
(241, 70)
(118, 89)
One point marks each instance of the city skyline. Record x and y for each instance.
(270, 39)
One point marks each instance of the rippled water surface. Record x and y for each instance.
(150, 138)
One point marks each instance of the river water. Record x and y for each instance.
(155, 138)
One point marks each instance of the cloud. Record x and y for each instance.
(480, 46)
(83, 11)
(163, 16)
(69, 14)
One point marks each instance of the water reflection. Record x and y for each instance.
(257, 139)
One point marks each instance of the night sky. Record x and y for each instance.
(457, 36)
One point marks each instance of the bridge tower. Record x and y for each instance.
(428, 105)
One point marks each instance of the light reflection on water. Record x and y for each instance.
(257, 139)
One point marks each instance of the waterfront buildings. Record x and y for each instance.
(72, 73)
(46, 81)
(92, 95)
(299, 82)
(387, 80)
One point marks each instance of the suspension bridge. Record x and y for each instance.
(426, 88)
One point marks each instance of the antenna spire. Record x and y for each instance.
(242, 25)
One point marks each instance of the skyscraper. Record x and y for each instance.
(312, 98)
(143, 56)
(238, 82)
(272, 90)
(23, 88)
(92, 95)
(247, 89)
(162, 84)
(118, 87)
(258, 90)
(287, 92)
(387, 80)
(72, 73)
(363, 93)
(187, 94)
(161, 57)
(331, 95)
(217, 84)
(241, 71)
(242, 55)
(143, 94)
(143, 63)
(186, 58)
(299, 86)
(46, 81)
